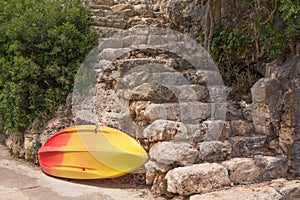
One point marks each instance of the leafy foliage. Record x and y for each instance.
(272, 31)
(231, 51)
(42, 44)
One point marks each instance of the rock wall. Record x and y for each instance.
(276, 111)
(162, 88)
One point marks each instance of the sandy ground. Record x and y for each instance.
(22, 180)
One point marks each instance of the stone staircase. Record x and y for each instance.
(150, 88)
(111, 16)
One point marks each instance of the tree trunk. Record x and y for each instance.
(213, 18)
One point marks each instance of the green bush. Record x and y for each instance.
(239, 51)
(42, 44)
(232, 51)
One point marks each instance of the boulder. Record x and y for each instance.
(163, 130)
(121, 7)
(275, 113)
(214, 151)
(192, 112)
(197, 178)
(153, 169)
(245, 146)
(242, 170)
(169, 153)
(271, 167)
(290, 190)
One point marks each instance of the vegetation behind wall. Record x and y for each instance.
(271, 31)
(42, 44)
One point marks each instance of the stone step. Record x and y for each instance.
(134, 77)
(277, 189)
(102, 2)
(97, 8)
(113, 22)
(207, 177)
(105, 32)
(107, 12)
(192, 112)
(135, 22)
(208, 151)
(169, 94)
(243, 146)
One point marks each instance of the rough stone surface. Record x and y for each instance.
(275, 108)
(244, 146)
(197, 178)
(211, 130)
(242, 170)
(241, 193)
(272, 167)
(154, 169)
(187, 112)
(162, 130)
(290, 190)
(241, 128)
(173, 152)
(214, 151)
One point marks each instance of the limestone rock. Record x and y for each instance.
(211, 130)
(162, 130)
(15, 145)
(276, 111)
(104, 2)
(170, 153)
(241, 193)
(153, 169)
(242, 170)
(233, 111)
(245, 146)
(120, 7)
(290, 190)
(246, 110)
(152, 92)
(193, 112)
(214, 151)
(197, 178)
(272, 167)
(262, 119)
(241, 128)
(267, 91)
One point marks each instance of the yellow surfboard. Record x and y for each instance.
(81, 152)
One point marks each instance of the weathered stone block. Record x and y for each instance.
(271, 167)
(121, 7)
(210, 130)
(214, 151)
(290, 190)
(170, 153)
(193, 112)
(153, 169)
(244, 146)
(197, 178)
(242, 170)
(162, 130)
(267, 91)
(242, 128)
